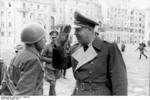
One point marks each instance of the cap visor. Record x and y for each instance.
(76, 26)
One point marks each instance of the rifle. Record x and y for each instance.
(8, 81)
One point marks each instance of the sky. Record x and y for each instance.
(142, 4)
(139, 4)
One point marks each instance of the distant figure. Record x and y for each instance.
(143, 44)
(51, 74)
(141, 48)
(123, 47)
(4, 89)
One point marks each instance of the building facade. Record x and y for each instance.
(147, 25)
(123, 23)
(6, 22)
(137, 25)
(27, 11)
(15, 14)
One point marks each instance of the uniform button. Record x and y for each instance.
(90, 72)
(92, 62)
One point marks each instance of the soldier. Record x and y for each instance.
(123, 47)
(51, 74)
(98, 66)
(3, 87)
(26, 70)
(141, 49)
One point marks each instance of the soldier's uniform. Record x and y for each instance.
(104, 72)
(100, 70)
(26, 72)
(51, 74)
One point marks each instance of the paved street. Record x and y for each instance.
(138, 74)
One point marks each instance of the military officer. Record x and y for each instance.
(26, 70)
(98, 66)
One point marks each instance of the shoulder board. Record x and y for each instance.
(106, 42)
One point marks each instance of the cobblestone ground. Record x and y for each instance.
(138, 73)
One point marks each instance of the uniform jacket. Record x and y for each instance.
(102, 63)
(26, 72)
(47, 52)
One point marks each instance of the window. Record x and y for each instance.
(2, 34)
(9, 4)
(9, 24)
(131, 24)
(2, 13)
(132, 12)
(140, 30)
(24, 14)
(2, 24)
(31, 15)
(131, 30)
(143, 31)
(9, 34)
(38, 6)
(24, 5)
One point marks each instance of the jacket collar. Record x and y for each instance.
(97, 43)
(33, 50)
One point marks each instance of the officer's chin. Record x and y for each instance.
(81, 42)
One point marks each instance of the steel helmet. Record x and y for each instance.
(32, 33)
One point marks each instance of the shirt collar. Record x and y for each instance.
(90, 44)
(33, 50)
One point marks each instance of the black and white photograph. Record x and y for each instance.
(74, 48)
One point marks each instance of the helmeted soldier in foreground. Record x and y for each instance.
(98, 66)
(26, 70)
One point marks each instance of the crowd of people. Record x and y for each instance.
(98, 66)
